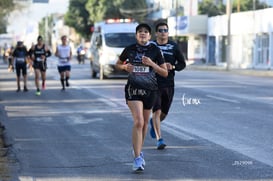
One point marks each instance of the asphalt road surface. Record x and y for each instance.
(219, 128)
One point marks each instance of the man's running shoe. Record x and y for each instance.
(160, 144)
(152, 130)
(137, 164)
(25, 89)
(43, 86)
(38, 93)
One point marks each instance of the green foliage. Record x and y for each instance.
(78, 17)
(42, 31)
(84, 13)
(135, 9)
(247, 5)
(134, 4)
(103, 9)
(6, 6)
(210, 8)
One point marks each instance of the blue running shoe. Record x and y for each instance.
(152, 130)
(160, 144)
(143, 161)
(142, 156)
(137, 165)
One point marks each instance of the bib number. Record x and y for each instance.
(20, 60)
(39, 59)
(63, 60)
(141, 69)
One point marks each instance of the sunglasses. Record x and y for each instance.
(163, 30)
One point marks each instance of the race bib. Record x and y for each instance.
(20, 59)
(63, 60)
(39, 59)
(141, 69)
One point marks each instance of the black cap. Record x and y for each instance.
(144, 25)
(19, 43)
(40, 38)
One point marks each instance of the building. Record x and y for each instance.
(251, 45)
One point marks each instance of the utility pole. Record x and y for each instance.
(254, 5)
(46, 18)
(228, 55)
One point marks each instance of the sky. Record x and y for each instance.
(25, 20)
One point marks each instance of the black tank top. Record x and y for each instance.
(38, 52)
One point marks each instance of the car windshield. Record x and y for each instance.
(119, 40)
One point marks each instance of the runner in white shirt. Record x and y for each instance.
(64, 55)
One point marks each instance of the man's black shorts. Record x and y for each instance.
(164, 99)
(64, 68)
(19, 67)
(42, 66)
(136, 94)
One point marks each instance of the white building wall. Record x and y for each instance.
(196, 47)
(251, 38)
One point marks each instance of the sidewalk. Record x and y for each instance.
(4, 150)
(4, 173)
(251, 72)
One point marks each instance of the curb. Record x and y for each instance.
(249, 72)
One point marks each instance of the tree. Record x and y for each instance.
(247, 5)
(6, 6)
(135, 9)
(78, 17)
(84, 13)
(104, 9)
(46, 21)
(210, 8)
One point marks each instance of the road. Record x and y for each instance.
(219, 128)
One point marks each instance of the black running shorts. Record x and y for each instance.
(64, 68)
(42, 66)
(164, 100)
(21, 67)
(136, 94)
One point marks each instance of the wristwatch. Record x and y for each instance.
(173, 67)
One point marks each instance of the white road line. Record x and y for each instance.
(176, 131)
(223, 99)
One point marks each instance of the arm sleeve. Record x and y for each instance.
(48, 53)
(123, 56)
(180, 60)
(14, 53)
(160, 57)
